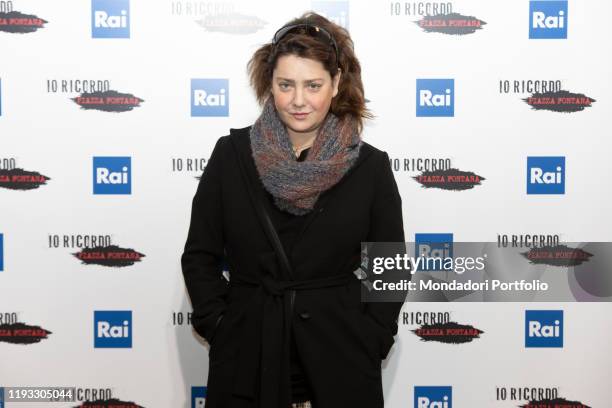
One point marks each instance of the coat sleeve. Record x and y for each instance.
(386, 225)
(202, 257)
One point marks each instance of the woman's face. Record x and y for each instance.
(302, 90)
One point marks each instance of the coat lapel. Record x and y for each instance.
(242, 143)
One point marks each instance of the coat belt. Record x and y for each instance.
(264, 348)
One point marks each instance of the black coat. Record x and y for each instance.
(341, 340)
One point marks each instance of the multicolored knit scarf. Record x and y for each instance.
(296, 185)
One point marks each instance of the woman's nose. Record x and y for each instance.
(298, 97)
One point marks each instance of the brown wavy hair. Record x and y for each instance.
(350, 99)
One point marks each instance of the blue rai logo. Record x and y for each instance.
(433, 397)
(113, 329)
(198, 397)
(209, 97)
(112, 175)
(548, 19)
(110, 18)
(434, 248)
(435, 97)
(544, 328)
(335, 11)
(546, 175)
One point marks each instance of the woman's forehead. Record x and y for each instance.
(298, 68)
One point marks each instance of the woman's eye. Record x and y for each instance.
(283, 86)
(315, 86)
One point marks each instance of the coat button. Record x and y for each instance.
(305, 315)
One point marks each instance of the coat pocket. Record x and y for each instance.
(376, 333)
(226, 335)
(382, 337)
(366, 333)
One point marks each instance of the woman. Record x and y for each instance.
(284, 204)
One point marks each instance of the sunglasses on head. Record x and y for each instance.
(310, 29)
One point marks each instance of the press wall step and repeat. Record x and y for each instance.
(495, 116)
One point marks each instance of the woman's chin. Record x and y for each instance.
(300, 126)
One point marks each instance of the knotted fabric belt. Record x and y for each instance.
(264, 349)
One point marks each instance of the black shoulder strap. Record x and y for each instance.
(264, 218)
(276, 243)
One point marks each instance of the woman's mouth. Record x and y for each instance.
(300, 116)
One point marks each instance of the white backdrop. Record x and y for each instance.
(172, 42)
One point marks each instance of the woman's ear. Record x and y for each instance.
(336, 82)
